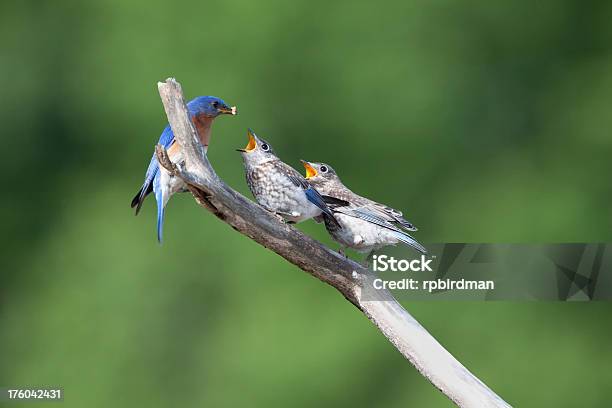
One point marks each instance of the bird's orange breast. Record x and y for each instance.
(173, 150)
(202, 124)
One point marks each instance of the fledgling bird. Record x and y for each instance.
(202, 110)
(278, 187)
(366, 225)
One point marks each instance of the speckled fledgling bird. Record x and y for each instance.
(278, 187)
(366, 225)
(202, 110)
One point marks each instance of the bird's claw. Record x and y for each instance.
(280, 218)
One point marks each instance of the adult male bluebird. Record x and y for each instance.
(278, 187)
(202, 110)
(366, 225)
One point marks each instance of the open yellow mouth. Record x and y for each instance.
(310, 171)
(252, 142)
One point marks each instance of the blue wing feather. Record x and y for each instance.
(316, 198)
(166, 139)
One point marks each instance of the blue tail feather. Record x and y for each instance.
(159, 197)
(147, 186)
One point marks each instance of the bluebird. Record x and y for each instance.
(278, 187)
(366, 225)
(202, 110)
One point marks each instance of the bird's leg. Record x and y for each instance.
(280, 217)
(283, 216)
(341, 252)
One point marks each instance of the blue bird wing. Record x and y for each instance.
(315, 198)
(297, 180)
(166, 139)
(311, 193)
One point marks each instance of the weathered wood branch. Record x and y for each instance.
(412, 340)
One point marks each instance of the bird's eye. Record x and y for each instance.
(215, 104)
(323, 169)
(265, 147)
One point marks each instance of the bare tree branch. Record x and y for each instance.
(412, 340)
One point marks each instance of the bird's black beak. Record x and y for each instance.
(228, 110)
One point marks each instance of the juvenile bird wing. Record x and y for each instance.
(311, 193)
(366, 214)
(334, 202)
(410, 241)
(383, 211)
(392, 215)
(360, 207)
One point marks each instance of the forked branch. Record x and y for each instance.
(412, 340)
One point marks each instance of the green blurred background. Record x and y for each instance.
(485, 122)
